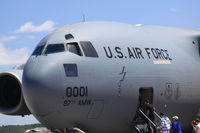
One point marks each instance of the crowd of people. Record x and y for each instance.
(166, 125)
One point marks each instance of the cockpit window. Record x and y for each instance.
(74, 48)
(38, 50)
(88, 49)
(69, 36)
(54, 48)
(40, 47)
(71, 70)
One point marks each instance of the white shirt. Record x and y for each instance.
(198, 128)
(165, 124)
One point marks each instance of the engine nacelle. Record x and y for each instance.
(11, 96)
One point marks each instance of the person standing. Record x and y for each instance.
(194, 126)
(198, 125)
(149, 112)
(165, 123)
(176, 126)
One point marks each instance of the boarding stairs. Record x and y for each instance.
(139, 125)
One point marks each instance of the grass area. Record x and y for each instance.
(17, 128)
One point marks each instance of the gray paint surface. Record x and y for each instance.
(164, 58)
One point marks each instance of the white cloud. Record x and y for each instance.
(16, 56)
(29, 27)
(173, 10)
(138, 25)
(7, 38)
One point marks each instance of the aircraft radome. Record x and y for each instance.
(94, 76)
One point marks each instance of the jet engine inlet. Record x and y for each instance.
(10, 92)
(11, 97)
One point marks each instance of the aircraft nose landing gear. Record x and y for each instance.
(71, 130)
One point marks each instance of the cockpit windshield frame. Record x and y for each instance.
(74, 48)
(38, 50)
(54, 48)
(40, 47)
(89, 49)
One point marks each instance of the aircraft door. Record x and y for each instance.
(145, 93)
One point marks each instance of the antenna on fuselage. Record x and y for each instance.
(84, 18)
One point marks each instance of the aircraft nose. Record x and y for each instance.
(41, 86)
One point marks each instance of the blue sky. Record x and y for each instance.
(24, 23)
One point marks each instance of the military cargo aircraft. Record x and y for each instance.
(95, 76)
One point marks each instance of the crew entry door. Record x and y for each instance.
(145, 93)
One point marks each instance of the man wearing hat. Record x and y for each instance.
(176, 126)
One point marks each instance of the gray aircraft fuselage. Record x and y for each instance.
(91, 75)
